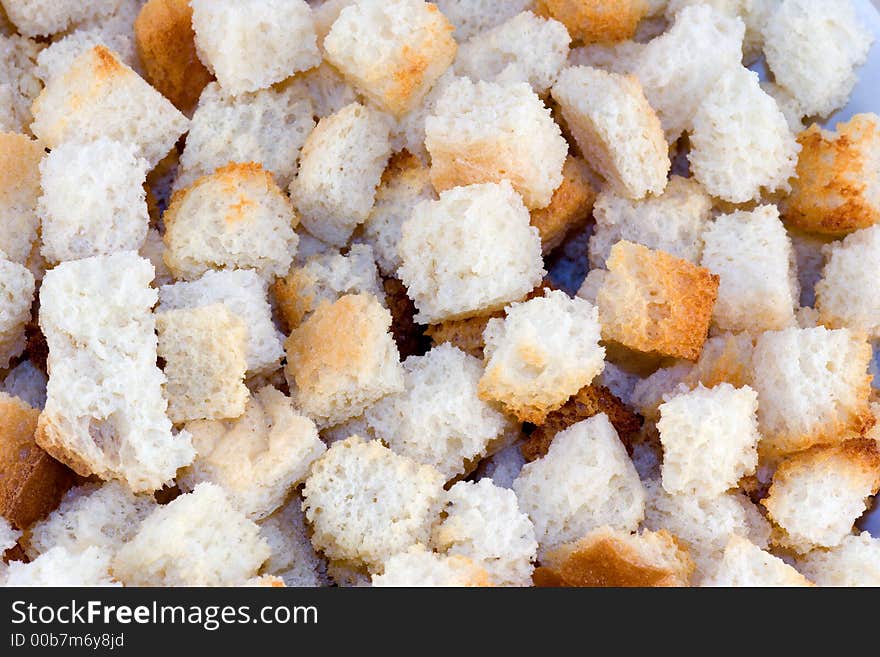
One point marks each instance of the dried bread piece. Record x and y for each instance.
(855, 562)
(419, 567)
(60, 567)
(597, 21)
(570, 207)
(20, 158)
(745, 564)
(17, 294)
(45, 17)
(19, 82)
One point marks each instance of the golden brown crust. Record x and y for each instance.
(293, 302)
(858, 456)
(409, 336)
(570, 206)
(596, 21)
(166, 46)
(19, 168)
(466, 334)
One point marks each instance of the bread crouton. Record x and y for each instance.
(19, 190)
(855, 562)
(17, 294)
(596, 21)
(45, 17)
(470, 17)
(417, 567)
(570, 207)
(61, 567)
(325, 86)
(465, 334)
(19, 84)
(744, 564)
(293, 557)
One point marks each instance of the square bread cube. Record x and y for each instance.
(585, 481)
(855, 562)
(483, 252)
(60, 567)
(741, 143)
(471, 17)
(17, 294)
(257, 458)
(343, 359)
(365, 503)
(45, 17)
(340, 168)
(19, 190)
(418, 567)
(615, 128)
(540, 354)
(19, 82)
(481, 132)
(252, 44)
(100, 96)
(744, 564)
(570, 207)
(234, 218)
(199, 539)
(93, 200)
(410, 44)
(710, 439)
(204, 353)
(293, 556)
(813, 387)
(837, 186)
(596, 21)
(651, 301)
(752, 255)
(438, 418)
(818, 494)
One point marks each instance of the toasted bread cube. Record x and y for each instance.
(486, 132)
(540, 354)
(60, 567)
(27, 382)
(471, 17)
(257, 458)
(99, 96)
(343, 359)
(17, 294)
(93, 200)
(596, 21)
(484, 253)
(672, 222)
(341, 166)
(651, 301)
(818, 494)
(410, 42)
(855, 562)
(484, 523)
(615, 128)
(365, 503)
(19, 83)
(213, 544)
(585, 481)
(19, 190)
(417, 567)
(235, 218)
(525, 48)
(837, 187)
(252, 44)
(741, 144)
(438, 418)
(293, 557)
(751, 253)
(812, 386)
(570, 206)
(813, 48)
(268, 127)
(754, 14)
(744, 564)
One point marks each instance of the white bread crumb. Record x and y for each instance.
(60, 567)
(855, 562)
(744, 564)
(418, 567)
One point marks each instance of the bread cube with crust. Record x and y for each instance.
(596, 21)
(20, 158)
(17, 292)
(418, 567)
(570, 207)
(744, 564)
(855, 562)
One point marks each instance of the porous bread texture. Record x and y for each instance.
(27, 382)
(740, 143)
(325, 13)
(45, 17)
(846, 295)
(246, 217)
(293, 558)
(751, 253)
(485, 253)
(744, 564)
(651, 301)
(269, 127)
(93, 200)
(585, 481)
(327, 89)
(466, 334)
(526, 48)
(244, 292)
(204, 353)
(678, 68)
(199, 539)
(341, 165)
(812, 386)
(60, 567)
(252, 44)
(482, 132)
(408, 132)
(855, 562)
(787, 103)
(153, 249)
(615, 128)
(818, 494)
(813, 48)
(438, 418)
(471, 17)
(484, 523)
(410, 46)
(310, 245)
(502, 467)
(596, 21)
(324, 278)
(17, 294)
(418, 567)
(540, 354)
(710, 439)
(365, 503)
(618, 57)
(570, 207)
(343, 359)
(103, 516)
(837, 186)
(754, 14)
(99, 96)
(166, 48)
(672, 221)
(19, 84)
(8, 536)
(257, 458)
(610, 557)
(19, 190)
(105, 413)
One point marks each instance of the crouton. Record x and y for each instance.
(45, 17)
(471, 17)
(602, 21)
(99, 96)
(28, 383)
(365, 503)
(325, 86)
(19, 190)
(744, 564)
(754, 14)
(19, 84)
(408, 335)
(60, 567)
(17, 293)
(651, 301)
(417, 567)
(249, 219)
(293, 558)
(466, 334)
(618, 57)
(483, 132)
(855, 562)
(570, 207)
